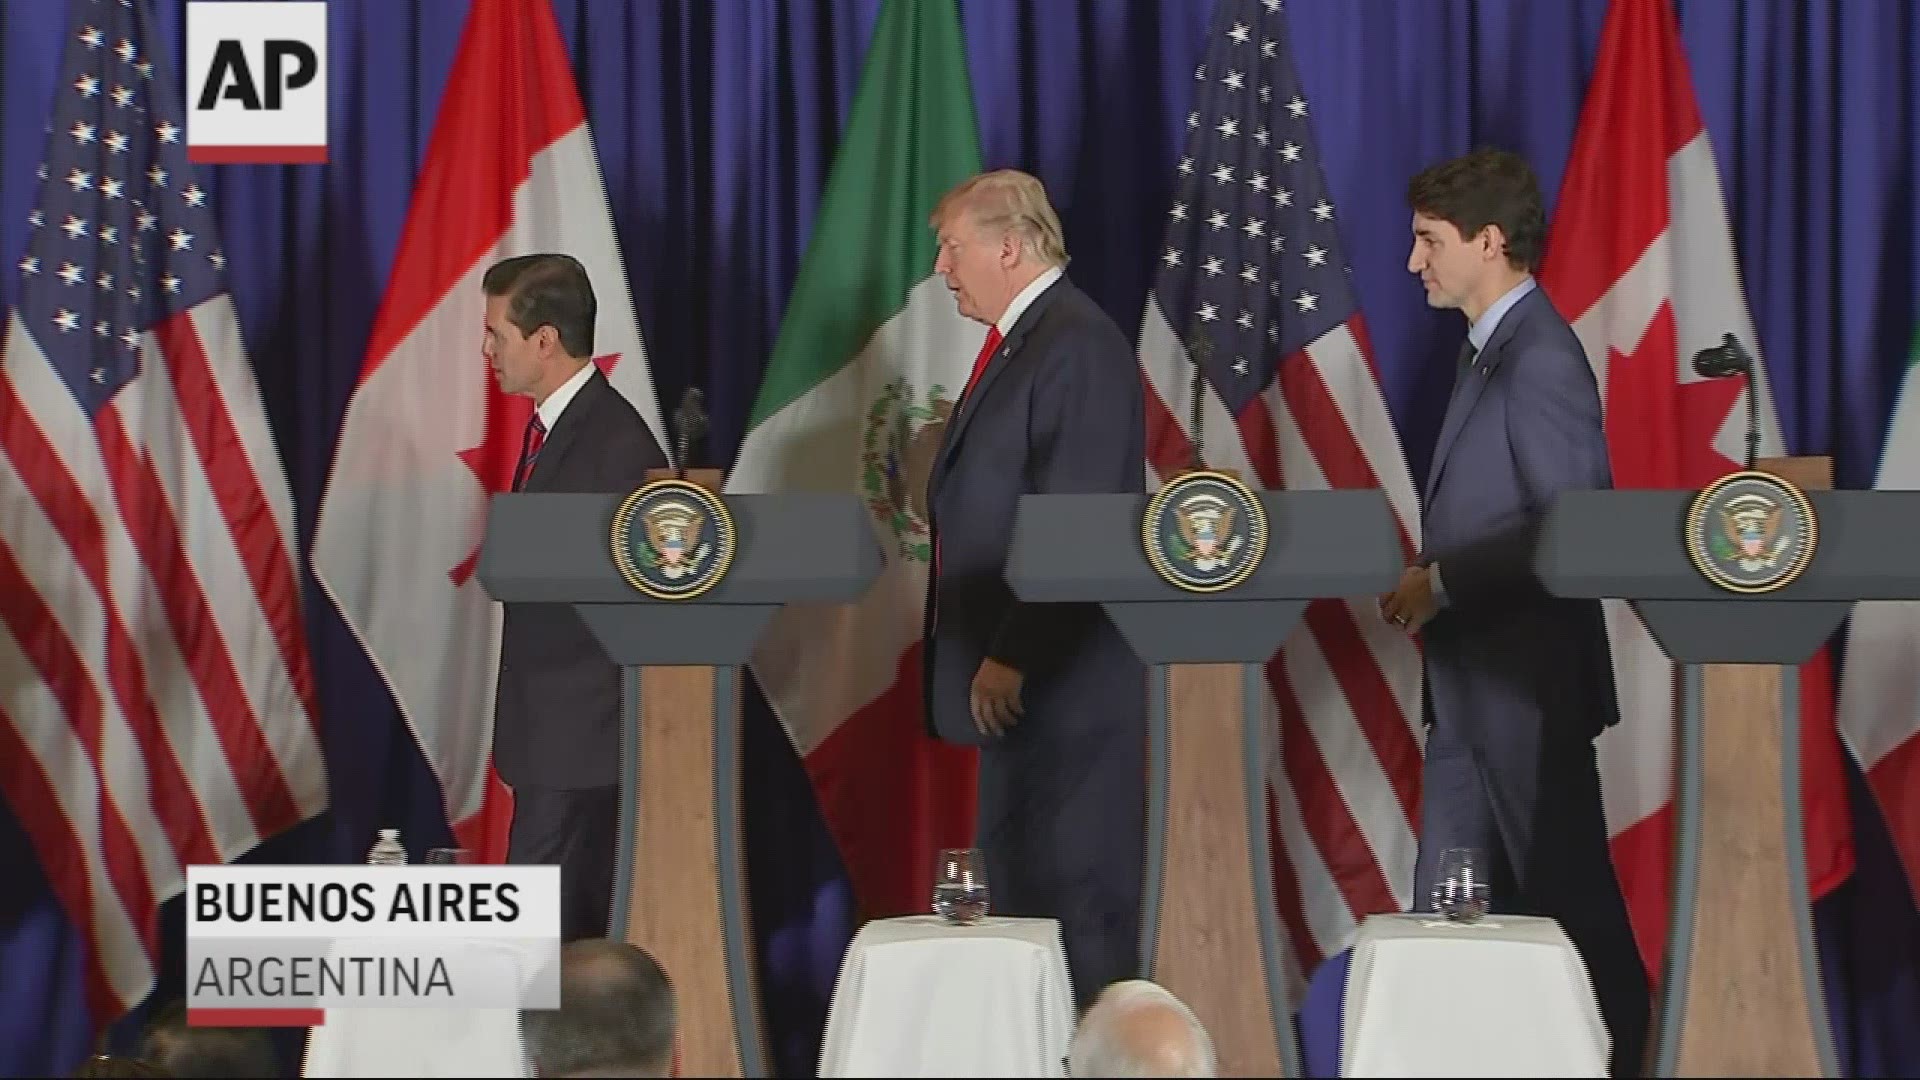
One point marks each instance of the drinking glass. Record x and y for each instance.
(1461, 893)
(449, 856)
(960, 885)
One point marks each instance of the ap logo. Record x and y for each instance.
(256, 82)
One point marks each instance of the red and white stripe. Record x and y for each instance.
(428, 437)
(1345, 771)
(157, 696)
(1641, 261)
(1880, 688)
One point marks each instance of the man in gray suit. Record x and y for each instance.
(1519, 682)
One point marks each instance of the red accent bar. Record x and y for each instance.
(256, 1017)
(257, 155)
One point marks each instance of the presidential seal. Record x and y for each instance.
(672, 539)
(898, 447)
(1205, 531)
(1750, 532)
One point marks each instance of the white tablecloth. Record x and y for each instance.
(417, 1042)
(919, 997)
(432, 1042)
(1508, 996)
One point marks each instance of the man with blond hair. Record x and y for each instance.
(1050, 693)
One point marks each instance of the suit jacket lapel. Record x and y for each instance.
(562, 437)
(1002, 360)
(1472, 382)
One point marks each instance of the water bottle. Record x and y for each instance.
(387, 850)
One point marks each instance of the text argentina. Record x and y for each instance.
(322, 976)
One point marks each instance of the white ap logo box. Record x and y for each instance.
(256, 82)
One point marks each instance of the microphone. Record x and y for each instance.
(689, 425)
(1722, 360)
(1726, 360)
(1200, 348)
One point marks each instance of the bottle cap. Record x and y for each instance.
(389, 834)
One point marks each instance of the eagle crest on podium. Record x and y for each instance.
(683, 544)
(1204, 531)
(1750, 532)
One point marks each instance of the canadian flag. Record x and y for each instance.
(1641, 259)
(428, 436)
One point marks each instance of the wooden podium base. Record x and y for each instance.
(1742, 993)
(681, 891)
(1212, 934)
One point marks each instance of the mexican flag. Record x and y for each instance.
(1880, 685)
(868, 363)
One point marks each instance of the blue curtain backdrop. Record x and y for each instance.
(716, 121)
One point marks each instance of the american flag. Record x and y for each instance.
(156, 702)
(1252, 281)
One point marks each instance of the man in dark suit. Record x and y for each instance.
(556, 728)
(1051, 693)
(1519, 682)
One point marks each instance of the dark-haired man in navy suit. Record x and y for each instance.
(1519, 682)
(1052, 695)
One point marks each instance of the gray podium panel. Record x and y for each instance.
(1089, 548)
(793, 548)
(1630, 545)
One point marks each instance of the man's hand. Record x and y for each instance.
(1411, 604)
(995, 697)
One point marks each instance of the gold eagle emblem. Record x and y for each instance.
(1751, 523)
(1204, 531)
(1751, 532)
(673, 531)
(672, 539)
(1202, 527)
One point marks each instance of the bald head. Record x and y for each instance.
(616, 1014)
(1137, 1028)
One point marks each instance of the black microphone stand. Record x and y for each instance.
(1200, 350)
(689, 423)
(1753, 419)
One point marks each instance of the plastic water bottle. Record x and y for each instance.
(387, 850)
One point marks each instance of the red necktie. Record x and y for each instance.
(980, 362)
(530, 445)
(979, 367)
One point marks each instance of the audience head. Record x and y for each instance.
(180, 1049)
(101, 1066)
(1138, 1028)
(616, 1015)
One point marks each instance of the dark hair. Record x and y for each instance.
(184, 1050)
(110, 1065)
(616, 1014)
(1486, 187)
(547, 290)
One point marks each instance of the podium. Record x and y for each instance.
(1209, 929)
(680, 876)
(1741, 991)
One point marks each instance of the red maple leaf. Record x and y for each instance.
(1659, 430)
(498, 453)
